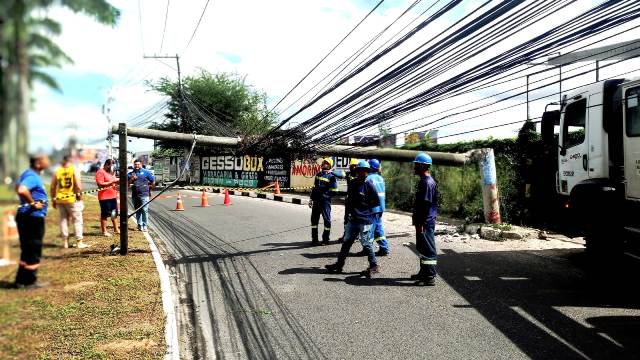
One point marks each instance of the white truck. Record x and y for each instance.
(597, 163)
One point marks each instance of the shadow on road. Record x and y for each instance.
(534, 297)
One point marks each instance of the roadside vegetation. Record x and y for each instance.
(96, 306)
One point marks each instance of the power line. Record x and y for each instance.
(197, 25)
(140, 22)
(319, 63)
(164, 30)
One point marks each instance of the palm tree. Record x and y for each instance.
(26, 50)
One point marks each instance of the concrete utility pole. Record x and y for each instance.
(183, 113)
(124, 185)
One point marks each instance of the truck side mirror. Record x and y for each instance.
(563, 151)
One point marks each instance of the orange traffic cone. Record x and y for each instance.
(9, 233)
(179, 206)
(204, 202)
(277, 192)
(227, 199)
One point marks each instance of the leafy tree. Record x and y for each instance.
(214, 104)
(26, 49)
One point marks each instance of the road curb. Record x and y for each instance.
(291, 199)
(171, 328)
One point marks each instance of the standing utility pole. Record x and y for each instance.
(183, 113)
(124, 185)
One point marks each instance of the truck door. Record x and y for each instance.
(597, 161)
(632, 142)
(573, 152)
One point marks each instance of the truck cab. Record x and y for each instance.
(598, 162)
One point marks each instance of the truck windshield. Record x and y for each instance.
(632, 115)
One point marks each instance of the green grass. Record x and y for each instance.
(7, 194)
(97, 306)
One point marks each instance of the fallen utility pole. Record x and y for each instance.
(439, 158)
(483, 157)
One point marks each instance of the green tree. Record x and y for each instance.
(26, 49)
(214, 104)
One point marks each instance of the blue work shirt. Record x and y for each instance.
(141, 185)
(325, 186)
(362, 200)
(32, 181)
(425, 206)
(378, 182)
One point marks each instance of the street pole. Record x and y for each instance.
(528, 98)
(124, 185)
(183, 113)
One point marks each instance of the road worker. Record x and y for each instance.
(324, 188)
(349, 176)
(31, 221)
(363, 199)
(378, 230)
(425, 210)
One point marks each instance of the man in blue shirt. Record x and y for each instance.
(363, 198)
(425, 210)
(378, 230)
(142, 181)
(30, 220)
(324, 188)
(349, 176)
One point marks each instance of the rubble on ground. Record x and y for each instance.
(451, 233)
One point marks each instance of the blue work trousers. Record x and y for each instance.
(378, 233)
(353, 231)
(321, 208)
(426, 245)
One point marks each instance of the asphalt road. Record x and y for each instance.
(248, 286)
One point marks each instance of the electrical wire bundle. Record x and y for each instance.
(442, 67)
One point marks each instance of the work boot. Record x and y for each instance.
(334, 268)
(382, 253)
(426, 281)
(325, 237)
(370, 271)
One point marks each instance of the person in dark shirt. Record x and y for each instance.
(324, 188)
(349, 176)
(31, 221)
(425, 210)
(362, 201)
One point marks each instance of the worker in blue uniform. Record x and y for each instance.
(378, 230)
(425, 210)
(324, 188)
(363, 199)
(349, 176)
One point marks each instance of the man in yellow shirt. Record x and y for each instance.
(65, 184)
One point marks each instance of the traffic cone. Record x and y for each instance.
(9, 232)
(204, 202)
(277, 192)
(179, 206)
(227, 199)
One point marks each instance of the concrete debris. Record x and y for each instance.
(489, 233)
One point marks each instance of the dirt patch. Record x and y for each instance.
(80, 285)
(127, 346)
